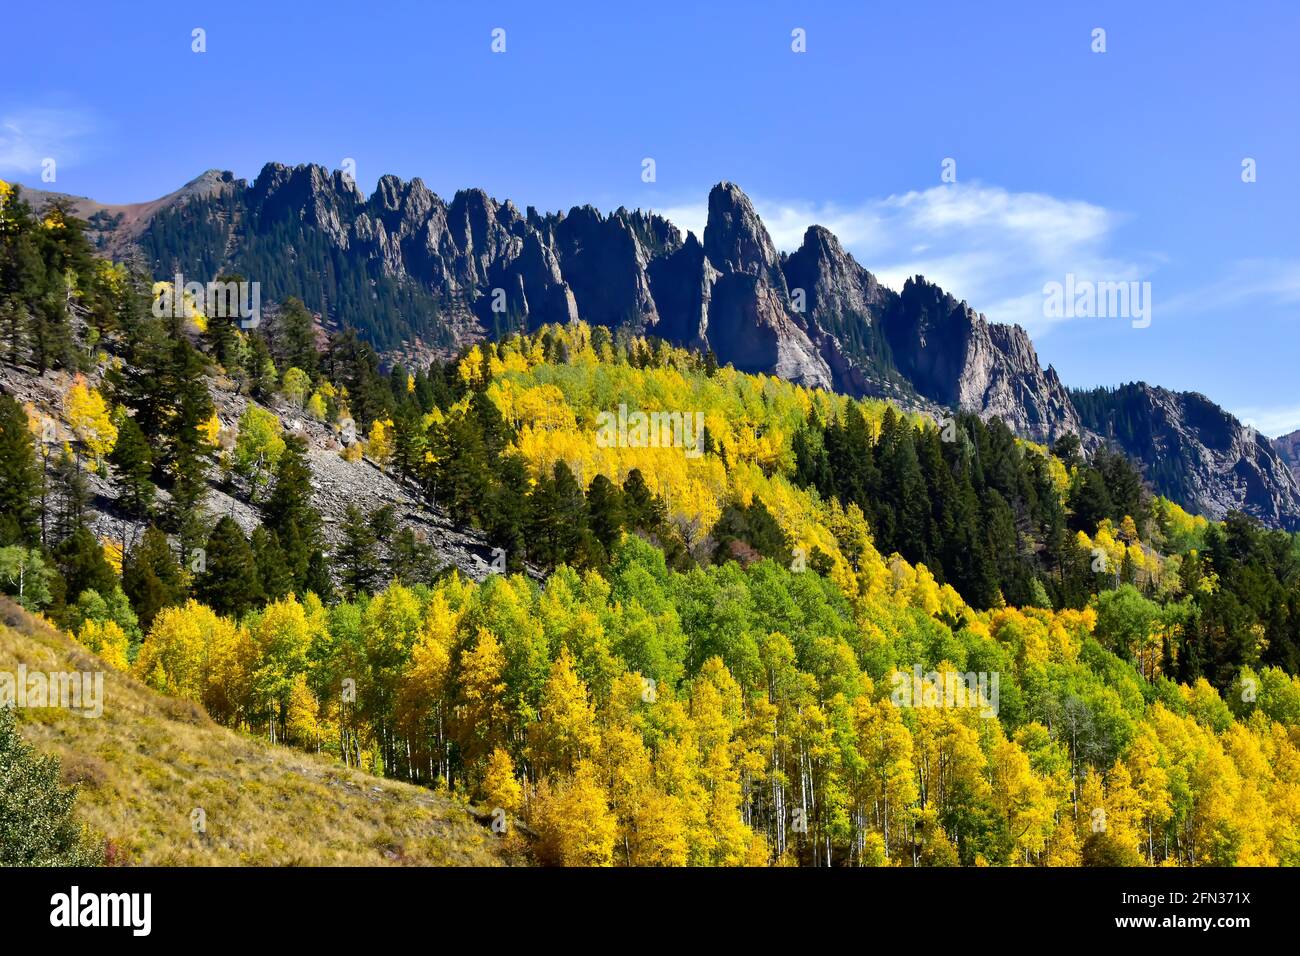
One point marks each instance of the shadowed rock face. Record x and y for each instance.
(1196, 452)
(421, 276)
(1288, 449)
(604, 260)
(751, 322)
(682, 285)
(955, 357)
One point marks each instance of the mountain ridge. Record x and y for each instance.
(422, 277)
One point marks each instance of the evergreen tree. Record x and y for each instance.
(132, 461)
(189, 448)
(747, 533)
(274, 576)
(1090, 502)
(229, 582)
(296, 522)
(20, 479)
(413, 560)
(151, 577)
(294, 337)
(356, 557)
(221, 335)
(80, 559)
(643, 510)
(605, 510)
(504, 514)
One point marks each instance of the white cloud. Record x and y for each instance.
(686, 217)
(990, 246)
(29, 136)
(1247, 282)
(1274, 421)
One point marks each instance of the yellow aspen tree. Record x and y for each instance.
(481, 718)
(627, 773)
(1152, 784)
(1063, 846)
(660, 831)
(889, 786)
(1021, 798)
(379, 444)
(565, 731)
(301, 721)
(1284, 757)
(172, 657)
(500, 787)
(574, 824)
(1253, 814)
(90, 420)
(108, 640)
(420, 704)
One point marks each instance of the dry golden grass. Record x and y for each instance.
(150, 760)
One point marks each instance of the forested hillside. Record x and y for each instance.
(737, 620)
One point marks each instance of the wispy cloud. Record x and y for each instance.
(1272, 282)
(30, 136)
(1274, 421)
(993, 247)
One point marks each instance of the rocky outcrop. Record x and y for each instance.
(605, 262)
(682, 285)
(1195, 452)
(954, 356)
(335, 482)
(1288, 449)
(844, 307)
(751, 322)
(408, 268)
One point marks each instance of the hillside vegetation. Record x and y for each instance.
(145, 765)
(770, 625)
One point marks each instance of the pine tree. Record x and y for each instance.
(80, 559)
(605, 508)
(644, 510)
(151, 577)
(20, 479)
(274, 576)
(229, 581)
(189, 447)
(413, 560)
(356, 556)
(132, 461)
(504, 513)
(1090, 502)
(290, 514)
(294, 342)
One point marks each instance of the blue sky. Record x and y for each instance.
(1122, 165)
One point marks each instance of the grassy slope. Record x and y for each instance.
(150, 760)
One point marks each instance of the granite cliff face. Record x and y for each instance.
(421, 276)
(751, 322)
(1288, 449)
(845, 307)
(1195, 452)
(954, 356)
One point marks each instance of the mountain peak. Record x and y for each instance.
(735, 238)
